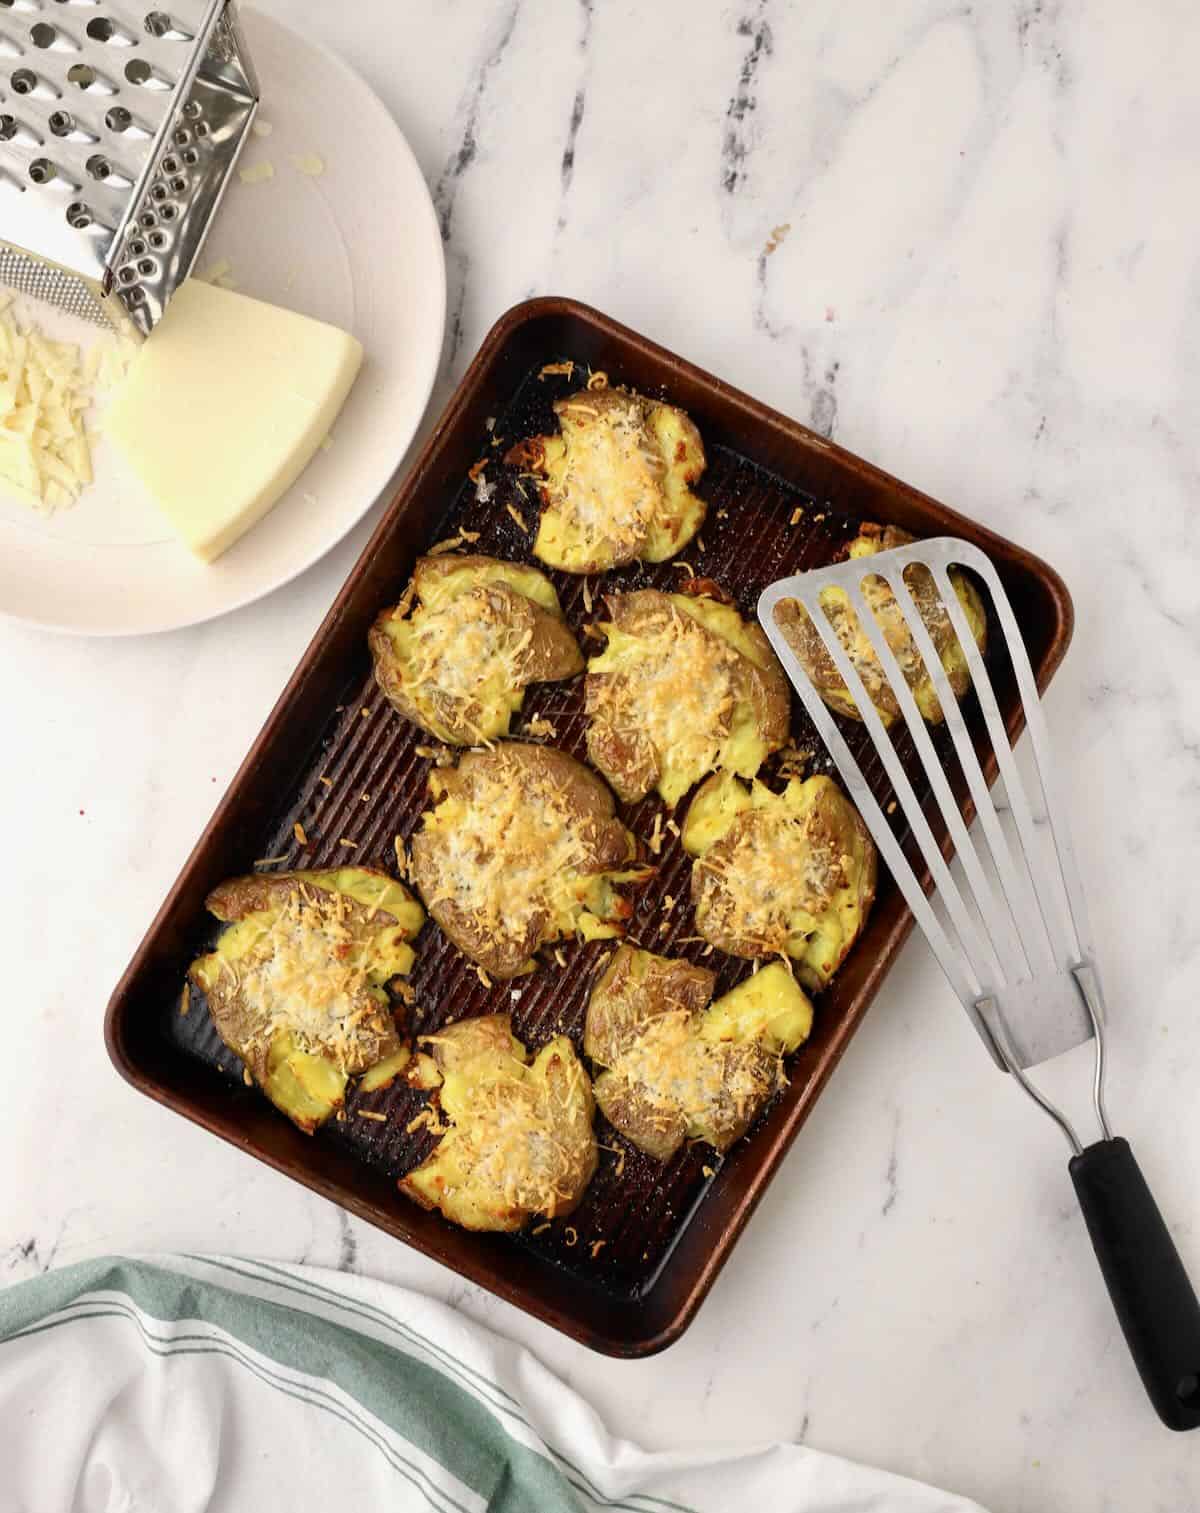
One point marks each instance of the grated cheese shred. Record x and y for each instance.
(47, 388)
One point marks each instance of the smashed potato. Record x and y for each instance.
(456, 654)
(520, 849)
(617, 481)
(296, 984)
(678, 1068)
(805, 640)
(520, 1140)
(777, 874)
(684, 687)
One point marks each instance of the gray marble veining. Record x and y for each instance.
(961, 239)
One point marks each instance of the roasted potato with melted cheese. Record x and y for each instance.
(296, 984)
(805, 640)
(470, 633)
(520, 1142)
(678, 1068)
(617, 481)
(684, 687)
(780, 874)
(520, 848)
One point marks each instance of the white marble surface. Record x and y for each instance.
(987, 279)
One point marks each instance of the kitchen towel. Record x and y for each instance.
(179, 1384)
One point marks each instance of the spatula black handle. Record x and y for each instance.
(1155, 1302)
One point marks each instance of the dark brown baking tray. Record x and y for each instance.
(628, 1271)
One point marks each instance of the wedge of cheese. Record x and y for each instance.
(224, 407)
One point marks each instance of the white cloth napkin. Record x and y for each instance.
(184, 1384)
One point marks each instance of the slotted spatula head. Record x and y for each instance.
(1013, 937)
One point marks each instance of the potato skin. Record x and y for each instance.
(522, 606)
(457, 1045)
(529, 775)
(626, 757)
(660, 1130)
(236, 1022)
(520, 1141)
(657, 1130)
(621, 735)
(805, 640)
(238, 896)
(635, 987)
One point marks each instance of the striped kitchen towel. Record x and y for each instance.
(184, 1384)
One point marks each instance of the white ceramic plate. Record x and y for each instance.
(357, 245)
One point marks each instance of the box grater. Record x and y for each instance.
(120, 124)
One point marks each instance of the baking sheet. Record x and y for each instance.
(362, 781)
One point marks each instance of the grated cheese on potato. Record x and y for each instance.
(679, 1067)
(680, 690)
(512, 853)
(457, 662)
(519, 1140)
(790, 874)
(296, 983)
(312, 979)
(518, 852)
(605, 475)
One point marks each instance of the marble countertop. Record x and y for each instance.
(961, 240)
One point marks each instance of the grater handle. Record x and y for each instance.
(1155, 1302)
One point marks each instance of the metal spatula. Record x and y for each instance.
(1015, 942)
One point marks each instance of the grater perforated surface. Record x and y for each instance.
(29, 275)
(120, 123)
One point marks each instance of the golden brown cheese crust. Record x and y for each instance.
(521, 848)
(685, 686)
(814, 657)
(676, 1068)
(456, 654)
(617, 481)
(295, 986)
(519, 1142)
(791, 874)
